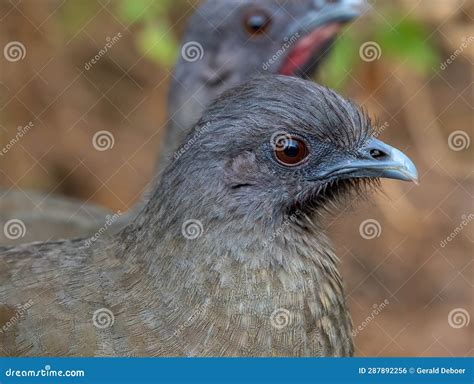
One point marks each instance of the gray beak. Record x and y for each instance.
(341, 11)
(378, 160)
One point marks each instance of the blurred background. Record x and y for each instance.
(406, 256)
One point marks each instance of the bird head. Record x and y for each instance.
(276, 144)
(228, 42)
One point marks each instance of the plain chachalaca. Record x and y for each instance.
(233, 40)
(229, 257)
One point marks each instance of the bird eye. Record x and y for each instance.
(291, 151)
(256, 22)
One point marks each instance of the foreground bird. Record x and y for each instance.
(226, 42)
(229, 257)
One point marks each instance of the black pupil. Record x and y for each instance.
(375, 153)
(291, 148)
(255, 22)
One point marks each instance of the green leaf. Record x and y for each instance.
(156, 42)
(408, 42)
(132, 11)
(336, 68)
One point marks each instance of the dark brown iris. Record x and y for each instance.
(293, 151)
(257, 22)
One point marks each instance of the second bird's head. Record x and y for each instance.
(278, 144)
(228, 42)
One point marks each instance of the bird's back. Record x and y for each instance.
(27, 216)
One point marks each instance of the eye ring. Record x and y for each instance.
(290, 150)
(256, 22)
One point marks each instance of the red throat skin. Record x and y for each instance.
(306, 46)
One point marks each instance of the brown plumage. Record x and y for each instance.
(232, 53)
(229, 257)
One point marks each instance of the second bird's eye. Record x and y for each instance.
(256, 22)
(291, 151)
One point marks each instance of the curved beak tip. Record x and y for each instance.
(342, 11)
(403, 167)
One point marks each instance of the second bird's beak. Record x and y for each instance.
(341, 11)
(377, 160)
(315, 30)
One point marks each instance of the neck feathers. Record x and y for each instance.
(229, 294)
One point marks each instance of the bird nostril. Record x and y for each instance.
(378, 154)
